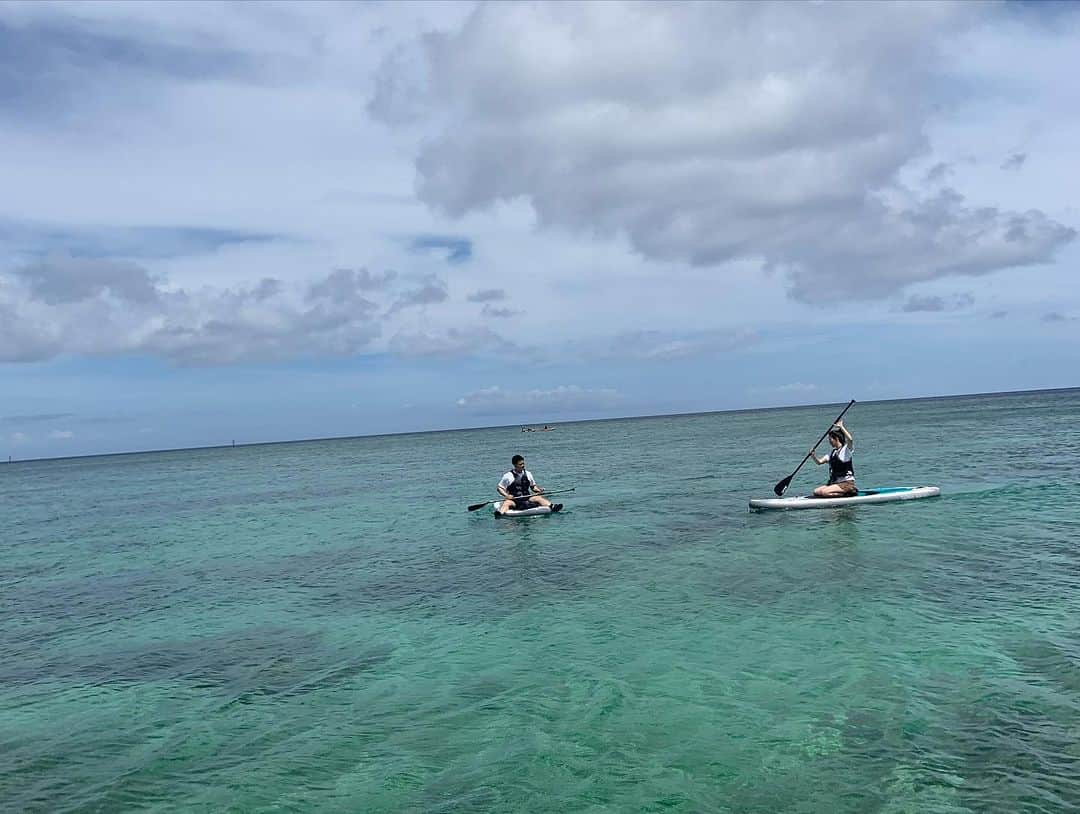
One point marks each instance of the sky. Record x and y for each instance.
(246, 222)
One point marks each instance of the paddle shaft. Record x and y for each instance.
(476, 506)
(782, 486)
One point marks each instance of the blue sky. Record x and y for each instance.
(261, 222)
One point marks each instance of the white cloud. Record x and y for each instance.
(797, 387)
(662, 346)
(449, 342)
(61, 435)
(561, 399)
(712, 132)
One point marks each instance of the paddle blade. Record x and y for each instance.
(476, 506)
(782, 486)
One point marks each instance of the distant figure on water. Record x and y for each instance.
(520, 490)
(841, 467)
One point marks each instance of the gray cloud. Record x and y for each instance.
(401, 87)
(499, 313)
(431, 291)
(706, 133)
(938, 173)
(999, 315)
(346, 285)
(1014, 162)
(487, 295)
(916, 303)
(71, 279)
(1056, 316)
(24, 338)
(245, 325)
(102, 307)
(35, 418)
(266, 289)
(52, 65)
(922, 303)
(562, 399)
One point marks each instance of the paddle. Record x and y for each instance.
(476, 506)
(782, 486)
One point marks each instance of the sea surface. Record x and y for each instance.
(322, 626)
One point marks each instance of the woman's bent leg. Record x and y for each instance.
(843, 489)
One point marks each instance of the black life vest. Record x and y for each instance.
(839, 470)
(519, 487)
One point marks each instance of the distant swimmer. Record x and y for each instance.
(841, 467)
(520, 490)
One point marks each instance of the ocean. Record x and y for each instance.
(322, 626)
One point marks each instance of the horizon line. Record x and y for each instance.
(319, 439)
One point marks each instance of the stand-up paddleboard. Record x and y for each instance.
(882, 495)
(535, 510)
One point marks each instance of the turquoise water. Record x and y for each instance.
(322, 626)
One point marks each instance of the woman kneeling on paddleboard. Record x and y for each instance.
(841, 467)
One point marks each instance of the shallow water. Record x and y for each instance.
(322, 625)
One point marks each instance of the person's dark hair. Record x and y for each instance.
(516, 460)
(839, 436)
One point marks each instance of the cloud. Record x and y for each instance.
(61, 435)
(499, 313)
(1056, 316)
(102, 307)
(561, 399)
(917, 303)
(34, 418)
(346, 285)
(457, 249)
(706, 133)
(661, 346)
(60, 280)
(938, 173)
(792, 388)
(56, 63)
(1014, 162)
(487, 295)
(431, 292)
(999, 315)
(451, 342)
(136, 242)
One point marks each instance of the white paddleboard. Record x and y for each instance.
(885, 494)
(535, 510)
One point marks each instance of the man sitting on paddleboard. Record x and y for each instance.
(841, 467)
(518, 486)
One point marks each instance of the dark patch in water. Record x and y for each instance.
(241, 664)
